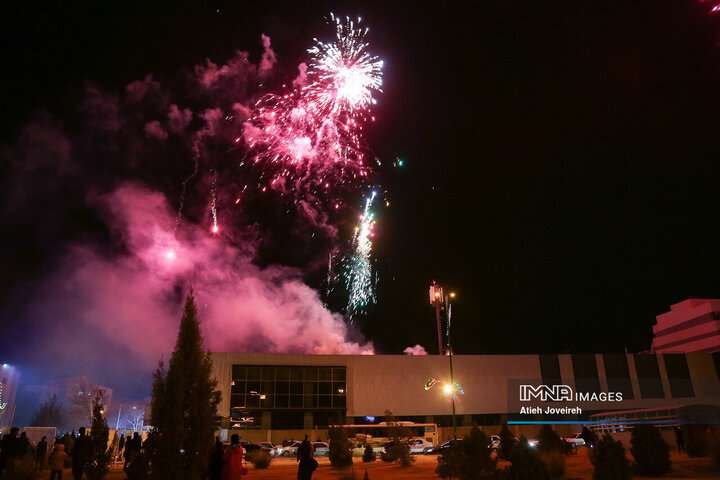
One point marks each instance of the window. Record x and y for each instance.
(288, 387)
(678, 375)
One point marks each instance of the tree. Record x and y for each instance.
(50, 414)
(651, 452)
(609, 460)
(340, 451)
(399, 451)
(525, 463)
(82, 400)
(469, 460)
(184, 405)
(507, 442)
(97, 467)
(549, 440)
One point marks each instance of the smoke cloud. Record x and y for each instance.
(416, 350)
(99, 208)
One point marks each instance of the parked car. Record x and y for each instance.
(495, 442)
(576, 439)
(443, 446)
(321, 449)
(290, 450)
(268, 447)
(419, 445)
(249, 447)
(359, 449)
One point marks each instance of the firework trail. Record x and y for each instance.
(309, 141)
(358, 276)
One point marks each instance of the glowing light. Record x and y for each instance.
(312, 136)
(170, 255)
(358, 276)
(215, 229)
(454, 392)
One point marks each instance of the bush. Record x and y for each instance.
(388, 456)
(139, 468)
(650, 451)
(259, 458)
(549, 441)
(696, 440)
(525, 463)
(369, 454)
(507, 442)
(555, 463)
(609, 460)
(340, 451)
(468, 460)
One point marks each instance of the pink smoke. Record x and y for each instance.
(416, 350)
(134, 300)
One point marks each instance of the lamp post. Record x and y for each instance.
(448, 310)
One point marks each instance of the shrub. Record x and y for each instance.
(395, 432)
(468, 460)
(555, 463)
(507, 442)
(650, 451)
(525, 463)
(388, 456)
(609, 460)
(259, 458)
(340, 451)
(369, 454)
(696, 440)
(549, 441)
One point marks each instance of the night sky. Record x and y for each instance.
(561, 162)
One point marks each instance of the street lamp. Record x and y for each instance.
(453, 387)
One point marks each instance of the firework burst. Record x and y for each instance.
(358, 277)
(309, 141)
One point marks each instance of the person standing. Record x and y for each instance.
(121, 446)
(679, 437)
(232, 460)
(307, 463)
(41, 452)
(9, 448)
(57, 461)
(216, 461)
(81, 452)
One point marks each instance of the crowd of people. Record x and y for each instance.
(70, 449)
(76, 451)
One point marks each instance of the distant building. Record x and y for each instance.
(690, 326)
(9, 380)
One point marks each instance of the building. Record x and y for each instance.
(9, 382)
(690, 326)
(275, 396)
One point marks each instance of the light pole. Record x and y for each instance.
(448, 310)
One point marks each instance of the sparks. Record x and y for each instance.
(311, 137)
(361, 292)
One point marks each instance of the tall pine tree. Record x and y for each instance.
(98, 466)
(184, 405)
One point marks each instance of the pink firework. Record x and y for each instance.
(309, 141)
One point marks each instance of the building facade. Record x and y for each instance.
(279, 393)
